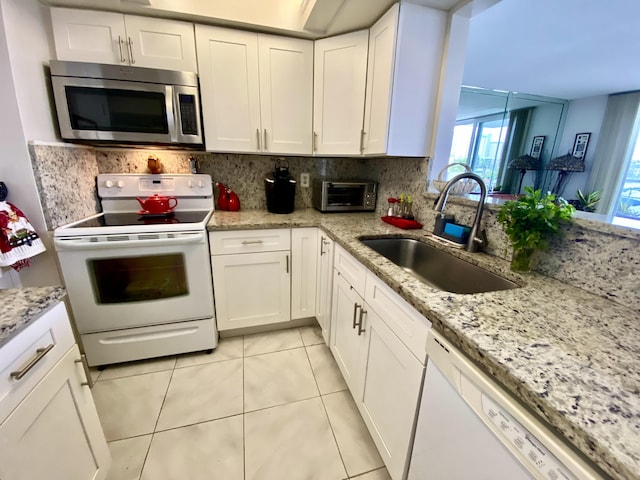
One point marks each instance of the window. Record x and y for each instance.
(479, 143)
(627, 206)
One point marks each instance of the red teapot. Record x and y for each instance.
(223, 196)
(158, 204)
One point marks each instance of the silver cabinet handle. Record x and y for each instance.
(133, 61)
(321, 246)
(85, 367)
(40, 353)
(355, 310)
(120, 42)
(360, 329)
(287, 263)
(258, 137)
(252, 242)
(362, 134)
(315, 141)
(265, 139)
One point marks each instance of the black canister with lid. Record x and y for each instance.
(280, 189)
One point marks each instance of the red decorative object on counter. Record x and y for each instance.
(234, 201)
(402, 223)
(223, 196)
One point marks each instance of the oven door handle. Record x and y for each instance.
(85, 244)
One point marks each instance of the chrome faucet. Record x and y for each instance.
(474, 242)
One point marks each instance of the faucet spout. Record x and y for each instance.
(475, 241)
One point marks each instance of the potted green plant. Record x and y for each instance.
(530, 221)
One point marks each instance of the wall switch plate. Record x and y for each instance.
(304, 180)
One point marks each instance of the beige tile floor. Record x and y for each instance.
(270, 406)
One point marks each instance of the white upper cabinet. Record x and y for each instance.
(104, 37)
(230, 88)
(256, 91)
(405, 57)
(340, 70)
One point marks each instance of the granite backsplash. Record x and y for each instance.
(592, 256)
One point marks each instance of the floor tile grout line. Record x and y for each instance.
(324, 407)
(244, 429)
(333, 434)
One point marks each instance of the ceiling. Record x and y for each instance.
(303, 18)
(559, 48)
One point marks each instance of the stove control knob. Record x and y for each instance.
(200, 184)
(191, 183)
(108, 183)
(120, 184)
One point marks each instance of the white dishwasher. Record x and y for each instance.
(470, 428)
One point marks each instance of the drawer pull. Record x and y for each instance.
(321, 246)
(85, 367)
(40, 353)
(355, 311)
(252, 242)
(287, 263)
(360, 329)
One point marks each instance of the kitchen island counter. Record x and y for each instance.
(570, 356)
(21, 306)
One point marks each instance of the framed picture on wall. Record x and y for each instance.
(536, 146)
(580, 145)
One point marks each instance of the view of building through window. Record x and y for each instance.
(479, 143)
(627, 206)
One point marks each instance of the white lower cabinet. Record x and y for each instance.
(262, 277)
(304, 263)
(346, 345)
(251, 289)
(388, 400)
(324, 284)
(383, 373)
(54, 431)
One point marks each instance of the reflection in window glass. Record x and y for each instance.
(628, 204)
(479, 143)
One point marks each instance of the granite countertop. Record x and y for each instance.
(21, 306)
(570, 356)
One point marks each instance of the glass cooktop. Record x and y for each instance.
(127, 219)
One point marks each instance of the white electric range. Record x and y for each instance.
(140, 284)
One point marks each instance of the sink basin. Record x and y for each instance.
(438, 268)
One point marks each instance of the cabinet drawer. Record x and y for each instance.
(403, 320)
(249, 241)
(53, 330)
(351, 269)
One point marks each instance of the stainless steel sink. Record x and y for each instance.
(437, 268)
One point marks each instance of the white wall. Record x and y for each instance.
(30, 42)
(15, 163)
(583, 116)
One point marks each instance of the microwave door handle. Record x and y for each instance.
(171, 97)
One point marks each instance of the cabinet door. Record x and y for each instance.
(251, 289)
(55, 432)
(304, 258)
(382, 43)
(390, 391)
(89, 36)
(229, 87)
(340, 70)
(346, 344)
(286, 94)
(158, 43)
(325, 281)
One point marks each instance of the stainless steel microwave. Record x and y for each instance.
(112, 103)
(344, 195)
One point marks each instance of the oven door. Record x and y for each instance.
(124, 281)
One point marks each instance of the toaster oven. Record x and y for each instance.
(344, 195)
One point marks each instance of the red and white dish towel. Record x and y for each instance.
(18, 239)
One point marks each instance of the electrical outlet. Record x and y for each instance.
(304, 180)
